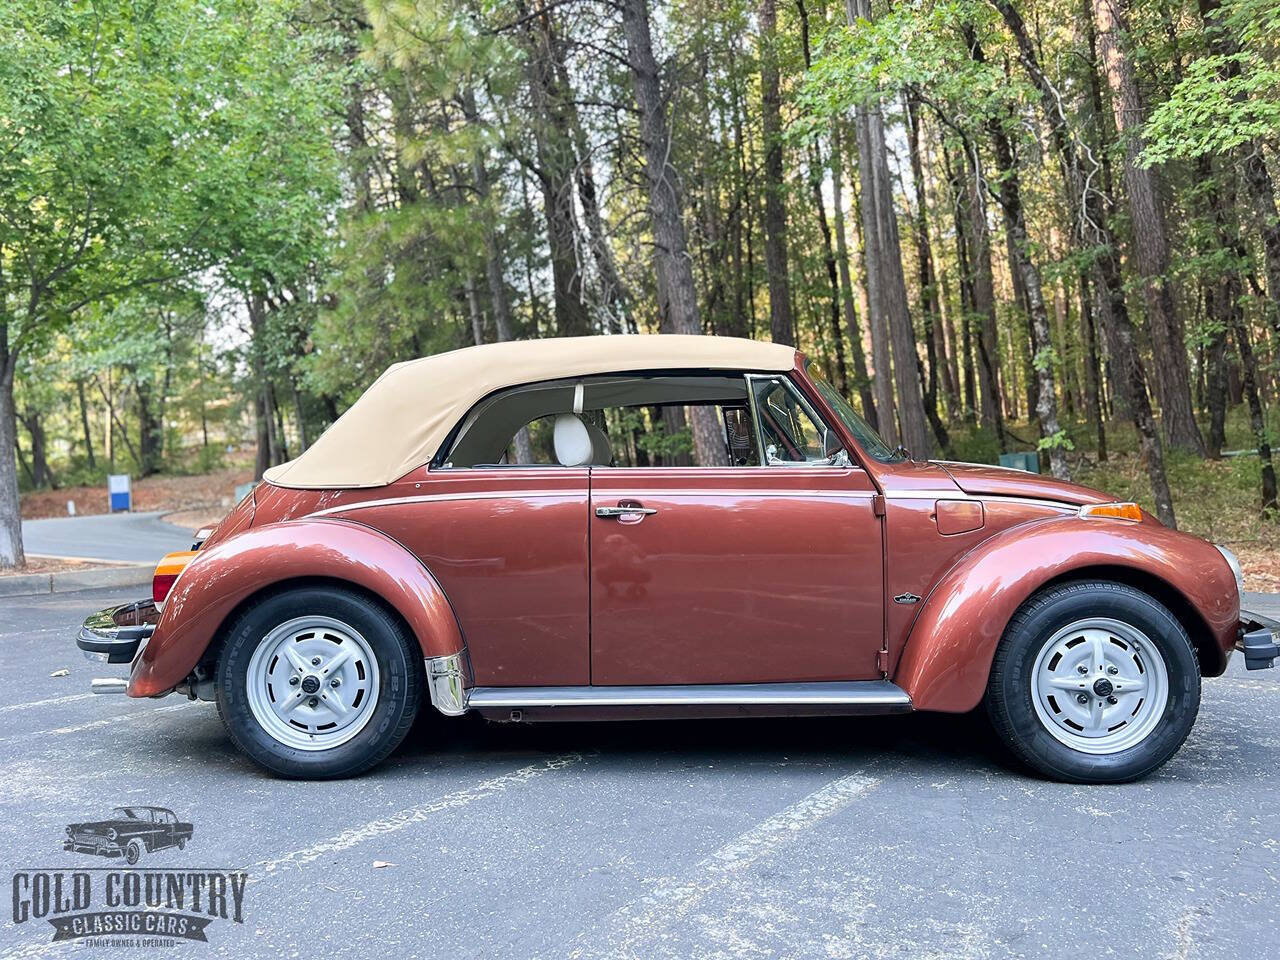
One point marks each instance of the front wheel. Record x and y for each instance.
(133, 852)
(318, 683)
(1094, 682)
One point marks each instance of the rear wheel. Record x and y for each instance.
(1094, 682)
(318, 683)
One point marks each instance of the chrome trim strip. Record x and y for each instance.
(446, 679)
(445, 497)
(853, 494)
(865, 693)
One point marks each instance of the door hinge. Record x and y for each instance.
(882, 662)
(877, 505)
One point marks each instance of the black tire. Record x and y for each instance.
(1009, 688)
(133, 852)
(400, 667)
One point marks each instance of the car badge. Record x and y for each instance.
(906, 598)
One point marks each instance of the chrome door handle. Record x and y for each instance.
(624, 511)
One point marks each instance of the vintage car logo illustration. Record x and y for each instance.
(129, 905)
(129, 833)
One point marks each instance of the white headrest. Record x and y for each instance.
(572, 441)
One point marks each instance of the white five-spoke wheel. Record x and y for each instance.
(1094, 682)
(312, 682)
(319, 681)
(1099, 685)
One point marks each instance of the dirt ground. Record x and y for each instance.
(212, 493)
(54, 565)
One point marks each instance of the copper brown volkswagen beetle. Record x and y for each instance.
(488, 530)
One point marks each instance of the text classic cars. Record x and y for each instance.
(671, 526)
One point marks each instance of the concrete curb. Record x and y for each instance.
(67, 581)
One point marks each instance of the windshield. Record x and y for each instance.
(127, 813)
(867, 437)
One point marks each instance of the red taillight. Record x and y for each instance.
(167, 571)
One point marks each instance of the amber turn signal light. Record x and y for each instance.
(1111, 511)
(167, 573)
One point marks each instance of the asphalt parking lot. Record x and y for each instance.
(903, 837)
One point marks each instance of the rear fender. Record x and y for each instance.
(948, 654)
(222, 577)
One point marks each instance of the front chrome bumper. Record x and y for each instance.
(1258, 640)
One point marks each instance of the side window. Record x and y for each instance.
(611, 421)
(788, 430)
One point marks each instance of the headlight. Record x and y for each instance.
(1234, 563)
(111, 834)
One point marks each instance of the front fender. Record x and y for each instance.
(220, 579)
(948, 653)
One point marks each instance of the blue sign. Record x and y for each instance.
(119, 492)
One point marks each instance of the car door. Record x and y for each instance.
(740, 574)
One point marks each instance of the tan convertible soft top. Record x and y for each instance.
(407, 413)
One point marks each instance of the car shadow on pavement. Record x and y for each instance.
(929, 741)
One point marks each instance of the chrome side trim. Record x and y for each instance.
(856, 693)
(446, 678)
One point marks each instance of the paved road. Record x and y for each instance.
(899, 837)
(125, 537)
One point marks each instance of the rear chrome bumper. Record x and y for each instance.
(116, 634)
(1258, 640)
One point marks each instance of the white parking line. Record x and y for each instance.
(47, 703)
(629, 928)
(94, 724)
(408, 817)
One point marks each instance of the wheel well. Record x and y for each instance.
(1202, 639)
(210, 658)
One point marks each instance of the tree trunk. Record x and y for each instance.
(1215, 361)
(1088, 213)
(150, 428)
(930, 314)
(1257, 421)
(1253, 165)
(264, 415)
(961, 219)
(817, 173)
(124, 433)
(11, 552)
(38, 472)
(984, 303)
(555, 171)
(781, 326)
(1042, 401)
(862, 381)
(884, 266)
(615, 297)
(84, 425)
(1151, 245)
(1092, 368)
(677, 293)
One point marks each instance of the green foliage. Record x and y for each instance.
(976, 445)
(1212, 113)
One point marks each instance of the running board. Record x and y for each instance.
(857, 696)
